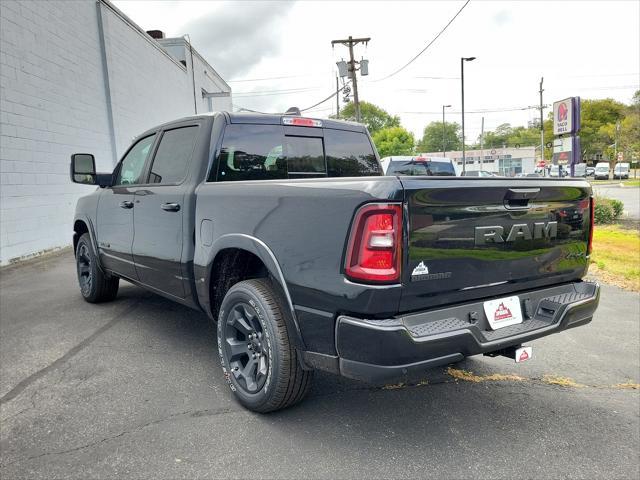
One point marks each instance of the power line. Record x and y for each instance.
(326, 99)
(270, 78)
(263, 93)
(514, 109)
(428, 45)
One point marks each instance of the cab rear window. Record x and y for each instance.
(264, 152)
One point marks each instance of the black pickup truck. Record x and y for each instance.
(284, 230)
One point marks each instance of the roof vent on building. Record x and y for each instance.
(157, 34)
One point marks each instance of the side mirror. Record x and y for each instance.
(83, 169)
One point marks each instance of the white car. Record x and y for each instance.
(602, 171)
(621, 170)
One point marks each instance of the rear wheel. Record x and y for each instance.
(95, 286)
(258, 360)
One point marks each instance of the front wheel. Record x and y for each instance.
(258, 360)
(95, 286)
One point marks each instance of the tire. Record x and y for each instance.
(95, 286)
(259, 362)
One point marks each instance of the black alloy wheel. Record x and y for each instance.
(246, 348)
(85, 271)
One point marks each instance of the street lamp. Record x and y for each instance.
(462, 60)
(444, 145)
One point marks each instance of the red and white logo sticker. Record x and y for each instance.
(523, 354)
(502, 313)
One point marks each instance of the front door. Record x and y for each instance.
(159, 213)
(114, 229)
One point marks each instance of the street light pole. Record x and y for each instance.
(444, 145)
(462, 60)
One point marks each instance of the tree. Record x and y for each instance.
(629, 135)
(374, 117)
(598, 125)
(393, 141)
(432, 137)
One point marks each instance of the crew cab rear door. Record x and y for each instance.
(159, 212)
(478, 237)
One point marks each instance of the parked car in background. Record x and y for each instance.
(417, 165)
(590, 171)
(558, 171)
(621, 171)
(579, 170)
(478, 173)
(602, 171)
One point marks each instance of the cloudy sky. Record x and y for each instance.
(279, 54)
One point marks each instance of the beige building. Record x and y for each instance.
(503, 161)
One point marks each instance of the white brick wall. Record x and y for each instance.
(53, 103)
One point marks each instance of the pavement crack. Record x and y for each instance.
(23, 384)
(191, 413)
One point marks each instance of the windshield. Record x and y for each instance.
(413, 167)
(602, 168)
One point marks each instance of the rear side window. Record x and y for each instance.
(264, 152)
(172, 157)
(421, 168)
(349, 154)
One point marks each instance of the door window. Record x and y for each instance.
(132, 164)
(172, 157)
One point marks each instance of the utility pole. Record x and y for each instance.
(482, 142)
(350, 42)
(462, 60)
(444, 141)
(542, 124)
(337, 98)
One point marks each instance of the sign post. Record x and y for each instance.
(566, 124)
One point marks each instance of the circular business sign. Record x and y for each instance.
(517, 145)
(493, 151)
(548, 145)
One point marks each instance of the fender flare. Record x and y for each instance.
(94, 242)
(265, 254)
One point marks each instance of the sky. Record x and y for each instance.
(279, 54)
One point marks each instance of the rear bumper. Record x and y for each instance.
(382, 350)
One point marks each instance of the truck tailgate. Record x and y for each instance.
(476, 237)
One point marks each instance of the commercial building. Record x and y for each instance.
(507, 162)
(81, 77)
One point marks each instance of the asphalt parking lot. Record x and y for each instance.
(134, 389)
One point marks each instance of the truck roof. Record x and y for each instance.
(261, 119)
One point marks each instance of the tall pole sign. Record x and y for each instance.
(566, 125)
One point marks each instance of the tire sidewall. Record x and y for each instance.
(237, 294)
(94, 280)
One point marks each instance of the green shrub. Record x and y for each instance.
(618, 208)
(607, 210)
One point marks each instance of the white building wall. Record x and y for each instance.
(53, 103)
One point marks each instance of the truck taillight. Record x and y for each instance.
(374, 251)
(592, 209)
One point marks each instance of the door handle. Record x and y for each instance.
(170, 207)
(126, 204)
